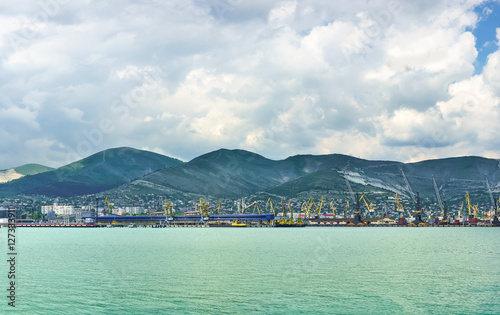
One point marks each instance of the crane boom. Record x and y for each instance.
(255, 203)
(333, 208)
(350, 188)
(368, 203)
(270, 201)
(467, 200)
(440, 202)
(412, 194)
(320, 205)
(489, 191)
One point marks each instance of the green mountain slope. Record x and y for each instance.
(235, 173)
(32, 169)
(98, 172)
(21, 171)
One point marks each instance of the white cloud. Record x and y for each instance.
(386, 80)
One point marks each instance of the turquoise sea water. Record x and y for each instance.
(255, 270)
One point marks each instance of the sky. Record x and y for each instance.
(387, 80)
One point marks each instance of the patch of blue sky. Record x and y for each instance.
(485, 32)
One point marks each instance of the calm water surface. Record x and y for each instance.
(235, 271)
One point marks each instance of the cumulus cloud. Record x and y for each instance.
(384, 79)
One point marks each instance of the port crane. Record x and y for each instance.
(472, 209)
(307, 206)
(358, 220)
(333, 208)
(291, 221)
(218, 207)
(368, 204)
(270, 202)
(442, 205)
(416, 200)
(106, 202)
(204, 210)
(350, 191)
(412, 194)
(254, 204)
(169, 212)
(283, 208)
(322, 200)
(418, 214)
(399, 207)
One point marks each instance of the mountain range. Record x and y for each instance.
(94, 174)
(237, 173)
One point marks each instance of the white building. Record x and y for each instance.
(59, 210)
(133, 210)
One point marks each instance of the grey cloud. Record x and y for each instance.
(90, 56)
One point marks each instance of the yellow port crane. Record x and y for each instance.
(306, 207)
(169, 208)
(106, 202)
(283, 220)
(169, 212)
(333, 208)
(368, 204)
(467, 200)
(318, 209)
(291, 221)
(270, 202)
(476, 211)
(218, 207)
(472, 208)
(346, 209)
(204, 209)
(399, 206)
(254, 204)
